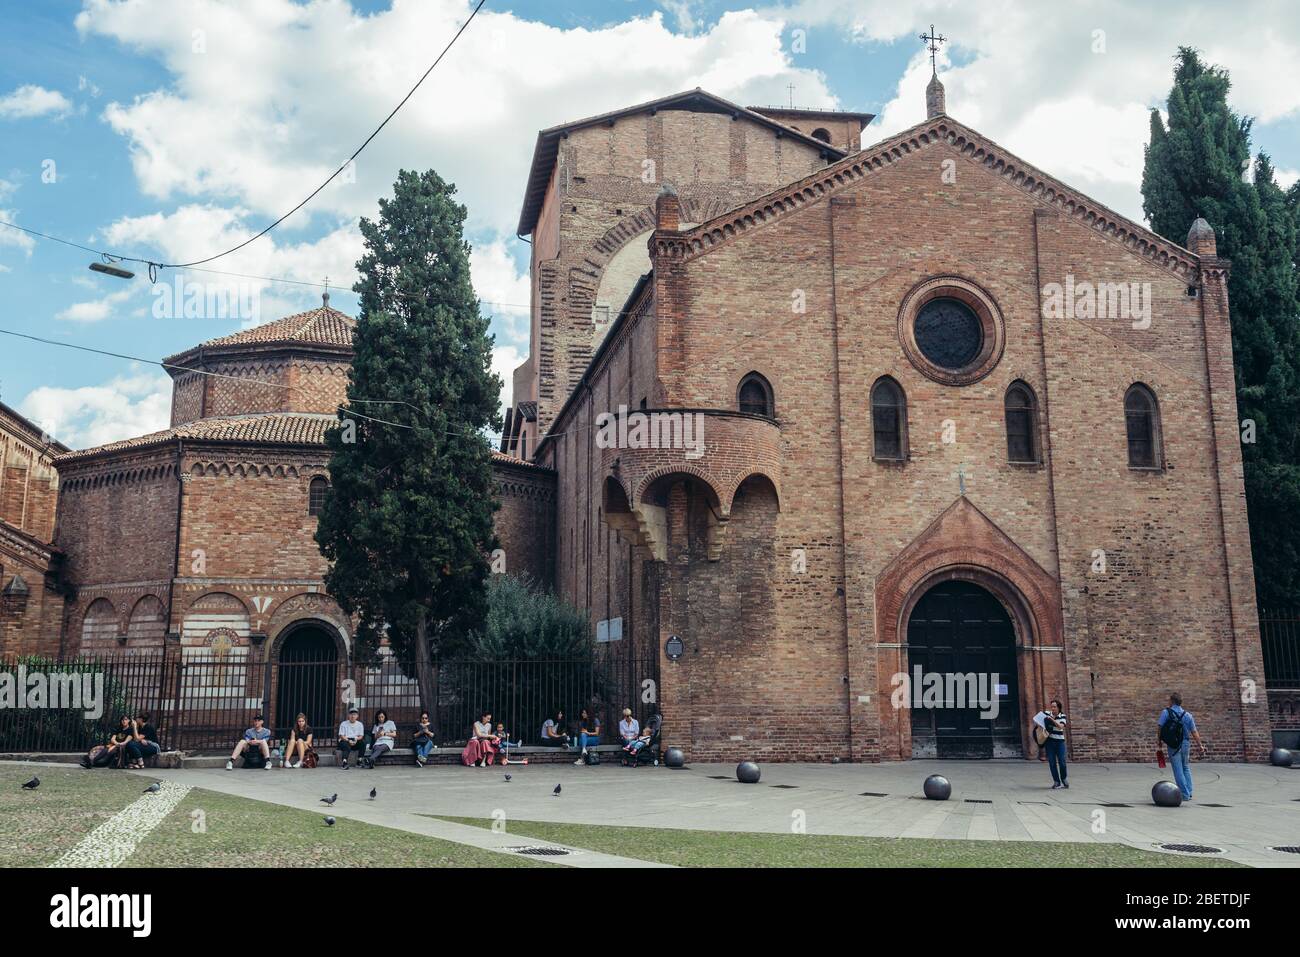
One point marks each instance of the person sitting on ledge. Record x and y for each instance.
(257, 738)
(483, 743)
(146, 743)
(588, 733)
(121, 742)
(300, 736)
(384, 735)
(352, 738)
(629, 729)
(422, 740)
(553, 733)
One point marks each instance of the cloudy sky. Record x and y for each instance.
(172, 129)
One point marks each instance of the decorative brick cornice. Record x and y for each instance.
(26, 548)
(899, 148)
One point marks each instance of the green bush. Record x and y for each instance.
(526, 622)
(60, 729)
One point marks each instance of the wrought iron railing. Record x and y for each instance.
(202, 700)
(1279, 633)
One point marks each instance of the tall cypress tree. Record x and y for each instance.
(1199, 164)
(407, 523)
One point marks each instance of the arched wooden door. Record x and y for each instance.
(961, 634)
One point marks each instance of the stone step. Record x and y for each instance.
(329, 758)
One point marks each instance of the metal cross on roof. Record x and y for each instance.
(933, 39)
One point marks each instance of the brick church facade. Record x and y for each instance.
(913, 456)
(926, 442)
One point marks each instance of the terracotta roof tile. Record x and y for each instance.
(504, 459)
(272, 428)
(321, 326)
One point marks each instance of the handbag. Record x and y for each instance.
(309, 759)
(1040, 735)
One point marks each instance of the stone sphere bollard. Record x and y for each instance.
(1281, 758)
(937, 788)
(675, 758)
(1166, 794)
(747, 772)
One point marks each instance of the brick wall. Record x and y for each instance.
(525, 522)
(29, 484)
(260, 383)
(1171, 610)
(599, 201)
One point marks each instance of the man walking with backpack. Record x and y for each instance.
(1176, 731)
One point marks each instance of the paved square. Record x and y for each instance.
(1243, 809)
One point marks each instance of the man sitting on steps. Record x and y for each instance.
(258, 738)
(352, 738)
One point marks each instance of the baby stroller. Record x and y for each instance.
(650, 754)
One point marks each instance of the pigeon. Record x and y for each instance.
(374, 793)
(329, 822)
(330, 800)
(556, 792)
(153, 788)
(32, 785)
(507, 777)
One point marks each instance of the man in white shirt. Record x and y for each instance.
(629, 728)
(352, 738)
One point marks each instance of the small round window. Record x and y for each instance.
(948, 333)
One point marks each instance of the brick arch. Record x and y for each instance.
(964, 544)
(331, 628)
(309, 606)
(730, 497)
(147, 623)
(683, 469)
(100, 626)
(213, 612)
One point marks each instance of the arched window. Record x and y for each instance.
(889, 420)
(755, 396)
(1142, 422)
(821, 134)
(1022, 423)
(316, 495)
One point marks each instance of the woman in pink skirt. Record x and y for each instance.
(482, 747)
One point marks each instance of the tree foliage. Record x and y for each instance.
(1199, 164)
(526, 622)
(407, 522)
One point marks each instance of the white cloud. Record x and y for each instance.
(96, 310)
(505, 359)
(14, 237)
(285, 92)
(194, 231)
(134, 404)
(8, 236)
(1041, 91)
(504, 290)
(31, 101)
(1286, 178)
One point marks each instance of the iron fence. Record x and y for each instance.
(1279, 634)
(202, 699)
